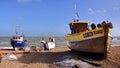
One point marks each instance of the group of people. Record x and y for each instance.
(93, 26)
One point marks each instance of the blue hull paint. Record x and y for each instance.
(19, 44)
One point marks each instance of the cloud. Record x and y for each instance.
(91, 11)
(101, 11)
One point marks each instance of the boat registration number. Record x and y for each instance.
(88, 34)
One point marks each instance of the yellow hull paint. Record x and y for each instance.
(86, 34)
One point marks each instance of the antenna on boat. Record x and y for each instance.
(76, 16)
(17, 30)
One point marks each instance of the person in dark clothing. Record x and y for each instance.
(103, 23)
(99, 25)
(44, 44)
(12, 43)
(93, 26)
(85, 29)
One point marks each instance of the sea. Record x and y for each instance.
(60, 42)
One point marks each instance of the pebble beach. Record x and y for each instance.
(48, 58)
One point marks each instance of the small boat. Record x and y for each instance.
(51, 43)
(48, 45)
(18, 41)
(94, 40)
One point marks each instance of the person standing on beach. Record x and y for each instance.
(110, 25)
(51, 39)
(109, 39)
(12, 43)
(44, 44)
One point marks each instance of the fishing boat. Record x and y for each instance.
(94, 40)
(48, 45)
(18, 41)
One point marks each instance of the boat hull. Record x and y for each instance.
(94, 41)
(93, 44)
(50, 45)
(19, 44)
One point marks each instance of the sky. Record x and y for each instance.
(51, 17)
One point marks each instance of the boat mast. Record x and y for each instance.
(17, 30)
(76, 16)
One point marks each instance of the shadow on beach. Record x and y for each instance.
(42, 57)
(53, 57)
(89, 56)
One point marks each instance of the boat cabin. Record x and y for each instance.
(77, 27)
(17, 38)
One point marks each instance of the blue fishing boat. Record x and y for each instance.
(18, 41)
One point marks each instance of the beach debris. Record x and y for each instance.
(2, 54)
(90, 62)
(27, 49)
(33, 48)
(9, 57)
(71, 62)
